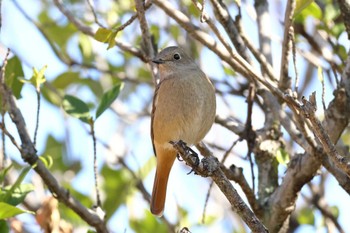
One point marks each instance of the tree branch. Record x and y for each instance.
(28, 153)
(210, 166)
(285, 81)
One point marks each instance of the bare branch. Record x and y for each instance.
(345, 11)
(285, 83)
(210, 166)
(28, 153)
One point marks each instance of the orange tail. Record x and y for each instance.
(165, 161)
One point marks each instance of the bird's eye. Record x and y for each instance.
(177, 56)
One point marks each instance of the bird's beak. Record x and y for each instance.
(158, 61)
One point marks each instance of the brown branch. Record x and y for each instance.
(28, 153)
(345, 12)
(285, 83)
(210, 166)
(223, 15)
(88, 31)
(147, 39)
(308, 109)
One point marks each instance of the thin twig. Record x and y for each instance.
(98, 199)
(9, 135)
(38, 97)
(90, 4)
(308, 110)
(210, 166)
(147, 40)
(222, 14)
(88, 31)
(284, 82)
(227, 152)
(296, 85)
(3, 107)
(249, 131)
(206, 201)
(29, 155)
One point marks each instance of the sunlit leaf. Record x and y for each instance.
(282, 156)
(57, 33)
(335, 211)
(56, 150)
(111, 40)
(115, 181)
(68, 213)
(106, 36)
(312, 10)
(108, 98)
(37, 78)
(148, 224)
(330, 12)
(17, 183)
(4, 171)
(8, 211)
(306, 216)
(85, 48)
(13, 73)
(47, 161)
(76, 108)
(301, 5)
(103, 34)
(15, 196)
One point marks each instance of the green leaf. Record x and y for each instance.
(108, 98)
(312, 10)
(306, 216)
(147, 167)
(68, 213)
(8, 211)
(301, 5)
(17, 184)
(59, 34)
(282, 156)
(111, 40)
(15, 196)
(116, 181)
(103, 34)
(335, 211)
(4, 226)
(76, 108)
(4, 171)
(47, 161)
(14, 71)
(85, 48)
(148, 224)
(106, 36)
(37, 78)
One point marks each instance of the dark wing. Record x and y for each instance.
(152, 115)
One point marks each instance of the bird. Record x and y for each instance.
(184, 108)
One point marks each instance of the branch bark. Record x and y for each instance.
(28, 153)
(210, 166)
